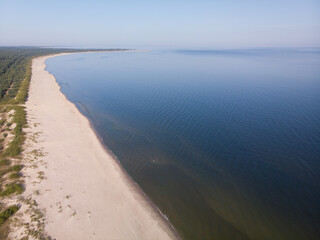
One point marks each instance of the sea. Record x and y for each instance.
(226, 143)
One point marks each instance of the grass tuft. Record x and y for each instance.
(4, 162)
(15, 147)
(15, 175)
(16, 168)
(12, 188)
(7, 213)
(5, 171)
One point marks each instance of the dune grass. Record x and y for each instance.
(23, 90)
(4, 162)
(12, 188)
(4, 171)
(16, 168)
(15, 175)
(7, 213)
(15, 146)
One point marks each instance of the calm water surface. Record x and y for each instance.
(226, 143)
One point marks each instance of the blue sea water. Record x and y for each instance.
(225, 143)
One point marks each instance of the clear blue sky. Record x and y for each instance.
(160, 24)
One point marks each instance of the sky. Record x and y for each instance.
(196, 24)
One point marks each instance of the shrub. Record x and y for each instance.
(4, 162)
(15, 175)
(15, 147)
(16, 168)
(12, 188)
(7, 213)
(4, 171)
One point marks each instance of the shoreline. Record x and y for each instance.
(148, 223)
(109, 152)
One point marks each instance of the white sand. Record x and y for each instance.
(85, 193)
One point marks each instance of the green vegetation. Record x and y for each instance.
(15, 175)
(4, 162)
(15, 146)
(5, 214)
(4, 171)
(16, 168)
(12, 188)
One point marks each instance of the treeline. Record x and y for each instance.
(15, 69)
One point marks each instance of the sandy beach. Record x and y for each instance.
(81, 188)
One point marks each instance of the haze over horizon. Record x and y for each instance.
(165, 24)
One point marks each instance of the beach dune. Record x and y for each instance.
(82, 188)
